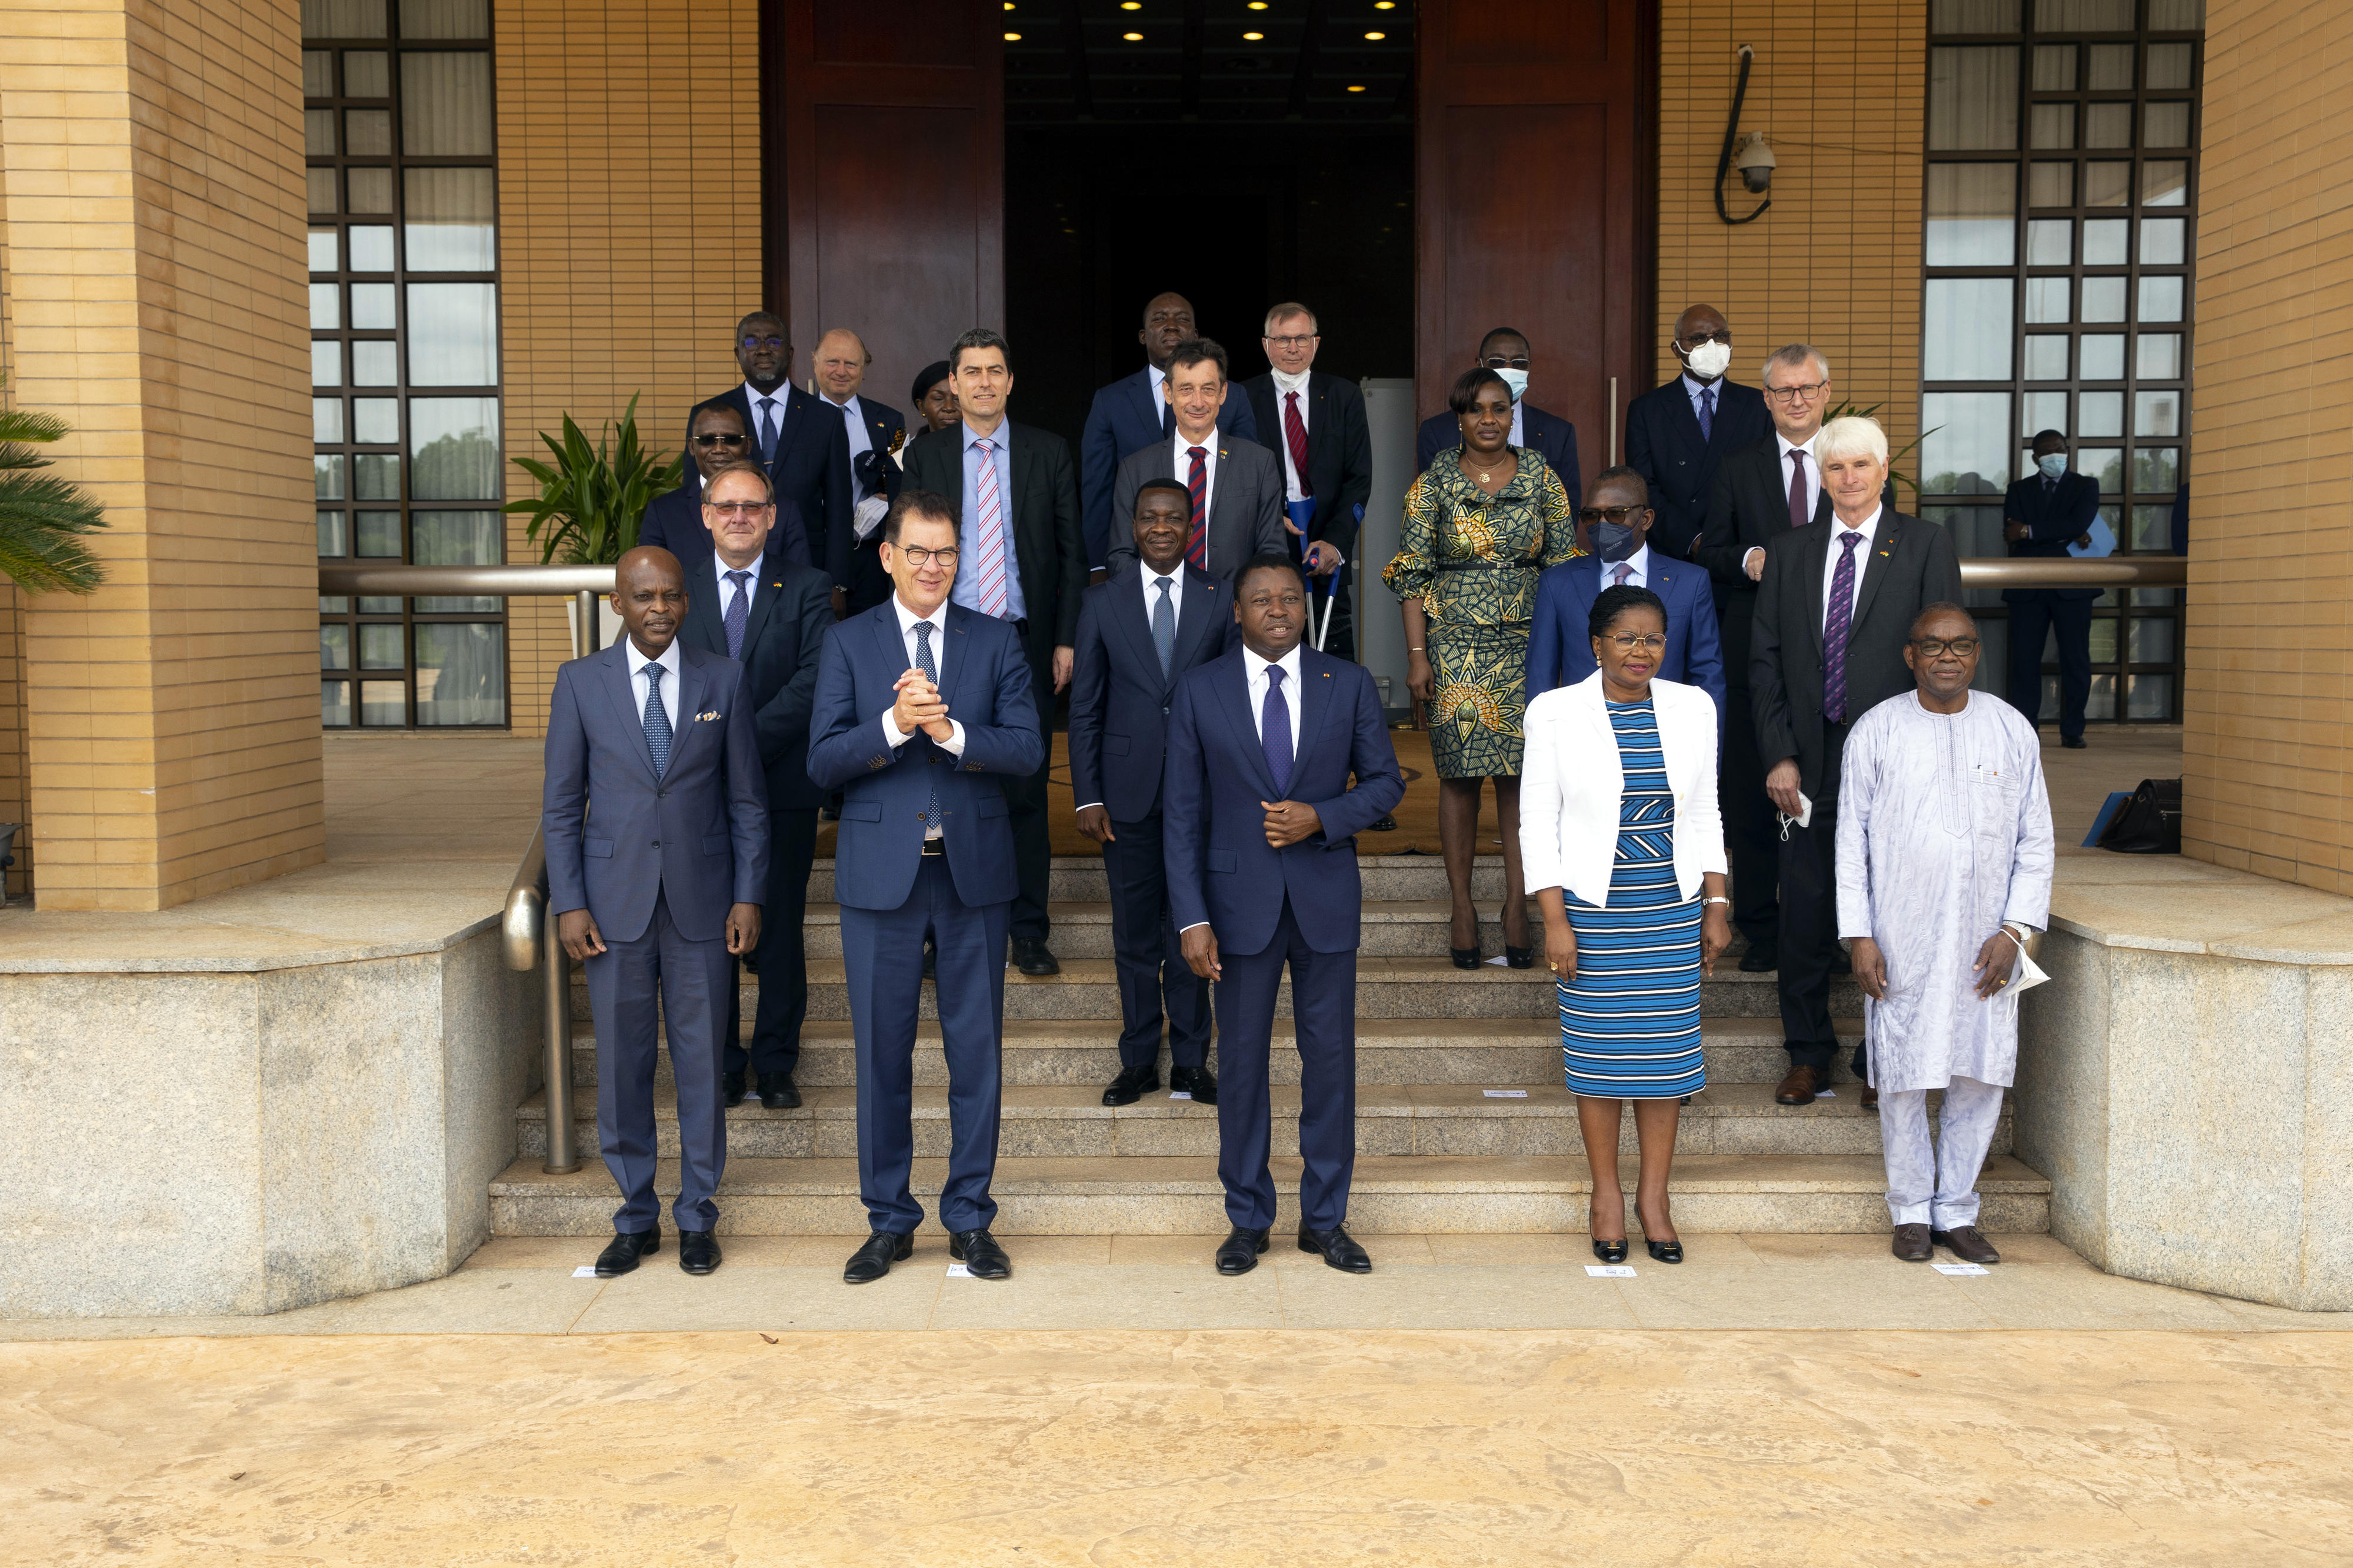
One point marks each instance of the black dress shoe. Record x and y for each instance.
(1759, 961)
(873, 1260)
(978, 1252)
(1239, 1253)
(1339, 1249)
(1966, 1244)
(621, 1254)
(1132, 1085)
(1664, 1251)
(1463, 957)
(1386, 825)
(1195, 1082)
(1610, 1251)
(1911, 1242)
(1030, 956)
(779, 1092)
(2076, 743)
(732, 1085)
(698, 1251)
(1519, 957)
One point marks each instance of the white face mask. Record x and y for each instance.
(1709, 360)
(1517, 380)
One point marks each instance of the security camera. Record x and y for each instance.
(1756, 163)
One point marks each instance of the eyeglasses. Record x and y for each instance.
(1501, 361)
(769, 343)
(1804, 394)
(918, 557)
(743, 508)
(1651, 642)
(1696, 339)
(1295, 343)
(1589, 515)
(719, 438)
(1937, 647)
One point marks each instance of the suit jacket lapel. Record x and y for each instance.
(693, 695)
(625, 702)
(769, 583)
(1235, 681)
(1136, 619)
(1202, 605)
(1140, 388)
(1877, 564)
(1817, 551)
(1316, 704)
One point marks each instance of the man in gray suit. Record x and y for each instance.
(1236, 484)
(655, 815)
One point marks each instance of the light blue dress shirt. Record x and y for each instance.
(967, 591)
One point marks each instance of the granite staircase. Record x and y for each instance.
(1463, 1123)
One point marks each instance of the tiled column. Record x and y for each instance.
(150, 163)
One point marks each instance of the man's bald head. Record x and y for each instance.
(839, 362)
(649, 595)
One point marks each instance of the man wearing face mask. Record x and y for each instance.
(1504, 350)
(1615, 527)
(2042, 514)
(1676, 435)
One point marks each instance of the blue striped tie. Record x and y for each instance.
(657, 721)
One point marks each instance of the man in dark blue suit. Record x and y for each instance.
(1259, 822)
(2042, 515)
(1504, 350)
(1677, 434)
(655, 819)
(673, 519)
(1129, 415)
(1614, 526)
(876, 435)
(925, 853)
(1138, 633)
(801, 443)
(772, 619)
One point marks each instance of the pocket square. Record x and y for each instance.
(700, 718)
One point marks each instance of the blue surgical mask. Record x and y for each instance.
(1614, 541)
(2053, 465)
(1517, 380)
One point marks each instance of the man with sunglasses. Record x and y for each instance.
(800, 440)
(1678, 435)
(674, 521)
(1504, 350)
(1614, 527)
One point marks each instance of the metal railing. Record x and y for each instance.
(532, 943)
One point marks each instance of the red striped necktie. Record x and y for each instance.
(1295, 435)
(1197, 549)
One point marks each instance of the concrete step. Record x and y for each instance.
(1476, 1052)
(1080, 877)
(1421, 929)
(1180, 1195)
(1439, 1120)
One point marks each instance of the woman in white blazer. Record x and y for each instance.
(1624, 849)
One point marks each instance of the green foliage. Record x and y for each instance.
(592, 501)
(1895, 456)
(42, 517)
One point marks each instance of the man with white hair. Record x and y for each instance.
(1834, 610)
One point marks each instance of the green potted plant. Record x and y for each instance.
(592, 500)
(43, 518)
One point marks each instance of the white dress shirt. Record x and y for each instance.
(639, 687)
(854, 413)
(727, 590)
(907, 622)
(1280, 436)
(1637, 577)
(1518, 436)
(1255, 669)
(753, 398)
(1838, 531)
(1782, 450)
(1151, 582)
(1181, 454)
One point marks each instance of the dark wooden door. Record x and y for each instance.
(891, 218)
(1533, 173)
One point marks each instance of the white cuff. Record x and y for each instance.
(953, 744)
(891, 730)
(1753, 550)
(1195, 926)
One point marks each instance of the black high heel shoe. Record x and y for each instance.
(1610, 1251)
(1519, 957)
(1665, 1251)
(1464, 957)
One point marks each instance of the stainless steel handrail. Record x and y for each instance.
(532, 943)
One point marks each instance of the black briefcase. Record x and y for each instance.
(2150, 822)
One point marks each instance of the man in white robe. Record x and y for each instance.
(1944, 870)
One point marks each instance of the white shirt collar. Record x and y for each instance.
(907, 620)
(720, 569)
(1208, 444)
(997, 436)
(1297, 383)
(1692, 386)
(1258, 667)
(1807, 446)
(638, 661)
(850, 407)
(1869, 526)
(751, 396)
(1640, 561)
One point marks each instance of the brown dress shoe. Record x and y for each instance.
(1911, 1242)
(1800, 1086)
(1870, 1098)
(1964, 1243)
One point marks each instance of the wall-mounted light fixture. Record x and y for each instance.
(1756, 159)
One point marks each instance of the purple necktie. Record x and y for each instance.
(1274, 732)
(1835, 625)
(1623, 571)
(1800, 513)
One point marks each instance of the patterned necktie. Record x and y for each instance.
(768, 430)
(657, 721)
(1706, 413)
(988, 533)
(1835, 625)
(1164, 625)
(1274, 732)
(1294, 436)
(925, 662)
(1800, 513)
(1197, 549)
(1623, 571)
(739, 609)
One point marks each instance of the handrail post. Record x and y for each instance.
(585, 621)
(555, 971)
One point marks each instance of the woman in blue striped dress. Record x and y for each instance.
(1624, 847)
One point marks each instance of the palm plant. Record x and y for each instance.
(591, 500)
(1895, 474)
(43, 518)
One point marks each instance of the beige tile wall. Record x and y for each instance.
(152, 157)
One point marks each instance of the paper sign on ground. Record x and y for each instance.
(1957, 1268)
(1508, 1094)
(1610, 1270)
(1180, 1094)
(958, 1271)
(585, 1271)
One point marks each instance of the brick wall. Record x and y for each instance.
(151, 155)
(629, 205)
(1840, 89)
(2266, 707)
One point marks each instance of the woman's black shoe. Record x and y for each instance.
(1465, 957)
(1665, 1251)
(1610, 1251)
(1519, 957)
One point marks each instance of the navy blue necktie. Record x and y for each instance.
(768, 430)
(1274, 732)
(925, 662)
(657, 721)
(1706, 413)
(739, 611)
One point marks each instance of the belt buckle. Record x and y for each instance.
(935, 847)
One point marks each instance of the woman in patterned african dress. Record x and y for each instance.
(1480, 527)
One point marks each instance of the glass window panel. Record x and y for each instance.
(384, 702)
(2103, 357)
(380, 606)
(2152, 529)
(2054, 68)
(2107, 124)
(454, 444)
(331, 534)
(1966, 449)
(2156, 413)
(1971, 209)
(457, 539)
(2149, 640)
(372, 247)
(375, 475)
(326, 307)
(325, 246)
(335, 703)
(327, 420)
(1973, 98)
(2164, 184)
(2082, 16)
(2047, 298)
(2159, 356)
(334, 606)
(371, 193)
(2050, 185)
(2100, 413)
(453, 333)
(2163, 241)
(2148, 697)
(2162, 597)
(379, 535)
(2105, 239)
(367, 73)
(2103, 640)
(2168, 67)
(334, 648)
(2176, 15)
(375, 421)
(2040, 411)
(371, 308)
(462, 674)
(445, 18)
(375, 365)
(319, 191)
(318, 132)
(367, 132)
(2051, 127)
(2111, 68)
(2105, 464)
(342, 19)
(2046, 357)
(1975, 531)
(318, 73)
(1966, 333)
(2104, 299)
(328, 468)
(448, 215)
(326, 362)
(444, 105)
(2160, 299)
(2165, 125)
(2050, 242)
(2107, 184)
(2155, 469)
